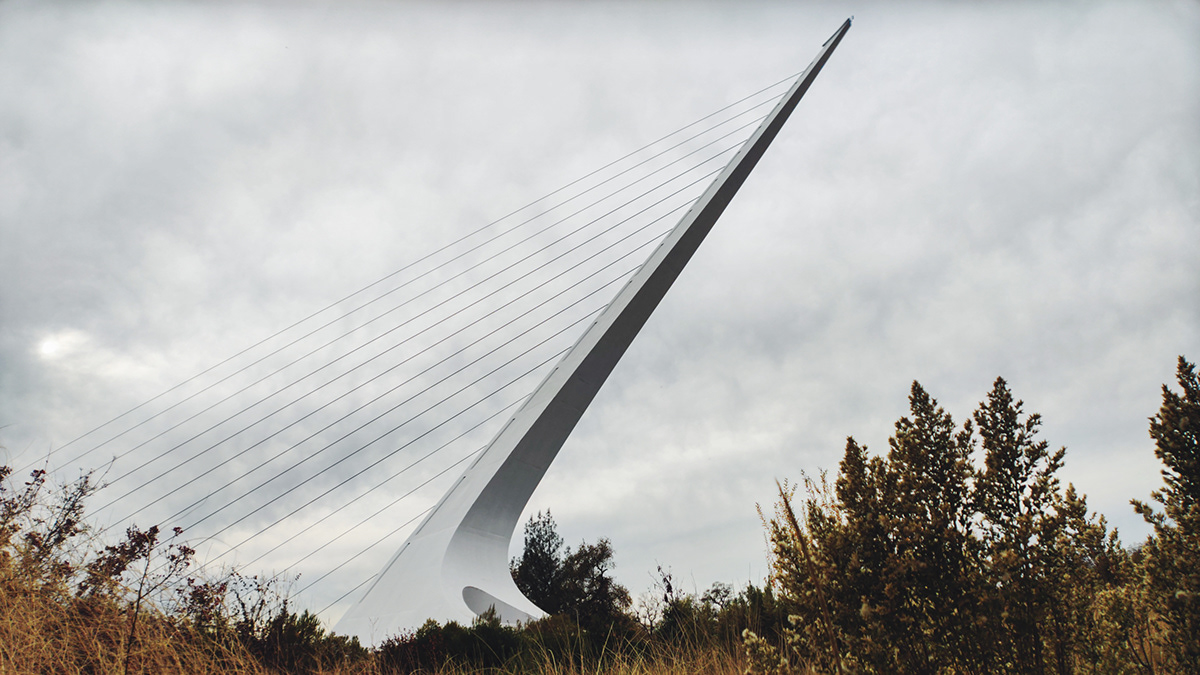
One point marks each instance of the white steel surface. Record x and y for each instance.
(455, 564)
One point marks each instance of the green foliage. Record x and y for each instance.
(713, 620)
(297, 643)
(590, 617)
(1172, 553)
(589, 593)
(539, 569)
(1124, 632)
(919, 561)
(433, 647)
(254, 614)
(576, 583)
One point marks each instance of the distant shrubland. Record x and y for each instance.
(957, 550)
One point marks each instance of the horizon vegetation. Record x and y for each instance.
(956, 551)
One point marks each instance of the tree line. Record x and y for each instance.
(957, 550)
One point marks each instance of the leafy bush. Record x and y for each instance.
(920, 561)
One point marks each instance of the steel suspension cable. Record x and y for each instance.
(326, 447)
(355, 557)
(417, 438)
(377, 486)
(397, 272)
(397, 327)
(380, 396)
(389, 455)
(330, 363)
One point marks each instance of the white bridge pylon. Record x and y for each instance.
(455, 565)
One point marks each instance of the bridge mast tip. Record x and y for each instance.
(455, 565)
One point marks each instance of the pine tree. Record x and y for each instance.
(918, 562)
(539, 569)
(1015, 495)
(925, 489)
(885, 556)
(1172, 553)
(576, 583)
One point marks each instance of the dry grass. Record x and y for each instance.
(46, 632)
(42, 631)
(699, 662)
(67, 606)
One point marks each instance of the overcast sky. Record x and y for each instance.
(968, 191)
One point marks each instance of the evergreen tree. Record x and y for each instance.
(575, 583)
(918, 562)
(538, 572)
(1015, 495)
(924, 496)
(1172, 553)
(589, 593)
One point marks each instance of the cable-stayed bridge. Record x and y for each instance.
(317, 450)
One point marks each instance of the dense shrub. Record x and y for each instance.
(960, 551)
(486, 643)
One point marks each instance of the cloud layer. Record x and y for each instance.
(966, 192)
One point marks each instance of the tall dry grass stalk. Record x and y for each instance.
(818, 582)
(704, 662)
(43, 632)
